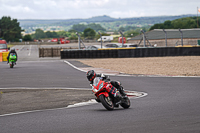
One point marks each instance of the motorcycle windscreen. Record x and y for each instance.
(97, 85)
(96, 81)
(13, 57)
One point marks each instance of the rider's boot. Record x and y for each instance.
(121, 90)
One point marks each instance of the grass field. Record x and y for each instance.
(10, 45)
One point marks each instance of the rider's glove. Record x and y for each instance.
(102, 75)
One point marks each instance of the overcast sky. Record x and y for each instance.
(68, 9)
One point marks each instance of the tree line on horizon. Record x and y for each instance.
(182, 23)
(88, 33)
(11, 31)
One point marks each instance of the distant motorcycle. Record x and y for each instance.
(12, 60)
(104, 95)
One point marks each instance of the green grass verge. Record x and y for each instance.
(10, 45)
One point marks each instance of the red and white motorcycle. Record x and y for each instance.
(105, 93)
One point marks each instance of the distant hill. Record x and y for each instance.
(25, 22)
(100, 19)
(107, 22)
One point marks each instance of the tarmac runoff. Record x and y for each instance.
(130, 94)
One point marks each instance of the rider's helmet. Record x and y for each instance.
(12, 49)
(91, 75)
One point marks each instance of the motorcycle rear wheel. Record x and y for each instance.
(107, 102)
(126, 103)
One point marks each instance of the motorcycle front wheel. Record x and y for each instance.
(11, 65)
(107, 102)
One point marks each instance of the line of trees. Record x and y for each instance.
(88, 33)
(82, 27)
(182, 23)
(40, 34)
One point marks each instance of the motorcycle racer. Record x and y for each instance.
(11, 51)
(91, 75)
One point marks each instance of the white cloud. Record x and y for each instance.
(27, 9)
(100, 3)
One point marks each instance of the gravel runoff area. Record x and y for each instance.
(171, 66)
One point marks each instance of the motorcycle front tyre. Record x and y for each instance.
(107, 103)
(11, 65)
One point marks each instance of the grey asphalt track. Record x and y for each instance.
(172, 104)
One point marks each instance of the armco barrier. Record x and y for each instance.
(50, 52)
(127, 53)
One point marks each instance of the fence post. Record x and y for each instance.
(165, 37)
(79, 40)
(181, 36)
(51, 52)
(43, 52)
(122, 38)
(101, 38)
(39, 52)
(144, 38)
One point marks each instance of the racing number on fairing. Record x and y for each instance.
(112, 90)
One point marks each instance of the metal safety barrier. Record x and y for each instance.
(127, 53)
